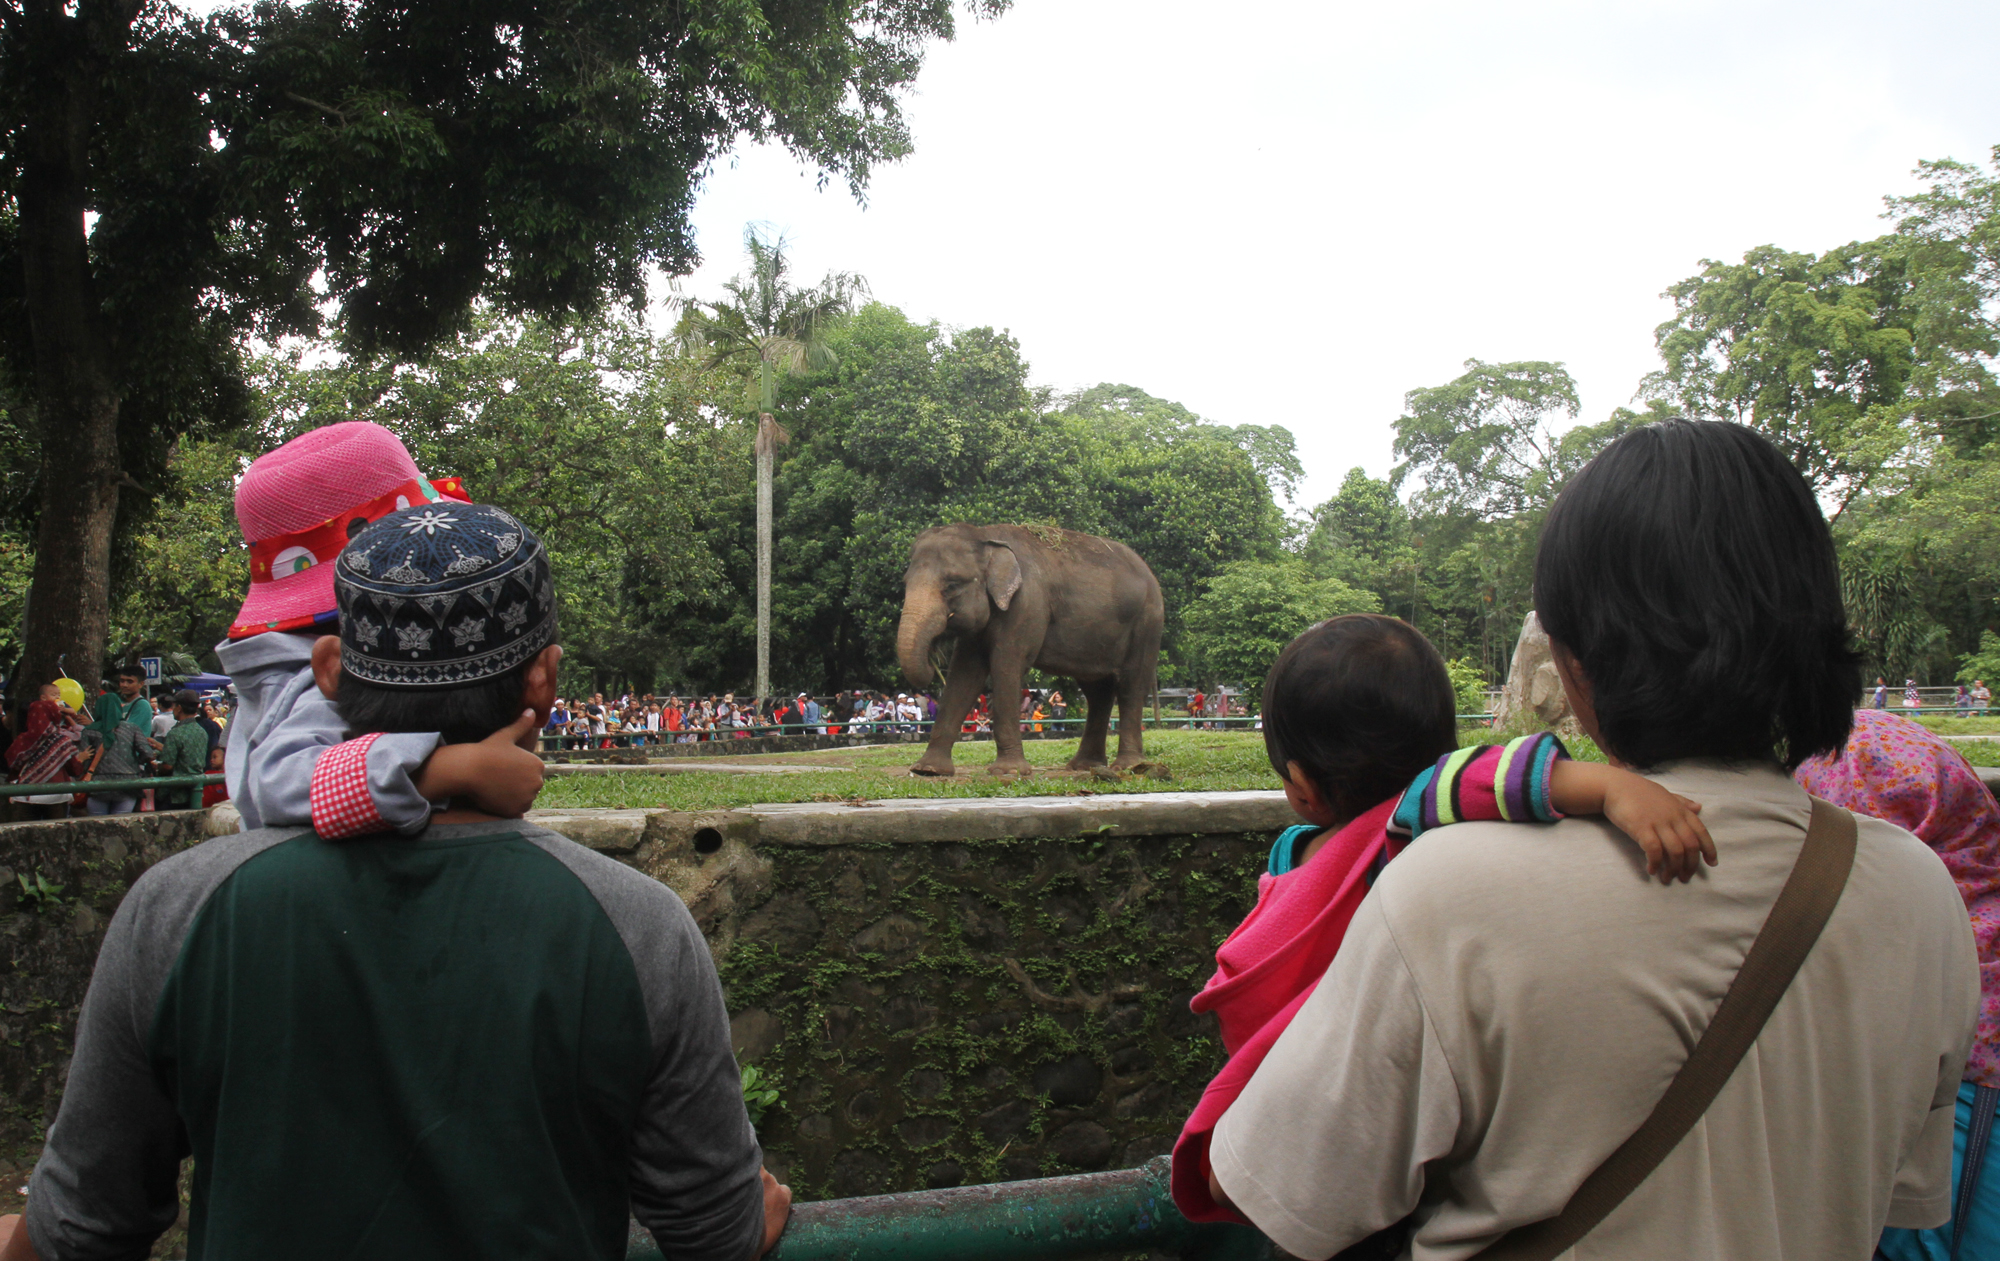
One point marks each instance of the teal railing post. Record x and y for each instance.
(103, 786)
(1129, 1210)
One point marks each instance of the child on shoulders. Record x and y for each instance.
(298, 505)
(1360, 725)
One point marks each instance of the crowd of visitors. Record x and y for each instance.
(637, 719)
(119, 736)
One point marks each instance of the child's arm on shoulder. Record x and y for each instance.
(1665, 824)
(355, 780)
(284, 771)
(1531, 779)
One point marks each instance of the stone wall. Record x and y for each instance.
(48, 943)
(943, 991)
(963, 991)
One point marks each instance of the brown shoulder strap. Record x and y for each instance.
(1788, 935)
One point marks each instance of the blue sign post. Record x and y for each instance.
(151, 665)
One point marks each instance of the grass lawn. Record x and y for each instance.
(1196, 761)
(1987, 726)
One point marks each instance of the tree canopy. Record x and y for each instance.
(170, 185)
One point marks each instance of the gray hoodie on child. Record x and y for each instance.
(282, 725)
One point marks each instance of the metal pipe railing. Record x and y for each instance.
(1042, 1219)
(122, 787)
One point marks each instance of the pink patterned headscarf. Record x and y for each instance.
(1896, 770)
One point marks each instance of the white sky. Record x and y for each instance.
(1294, 212)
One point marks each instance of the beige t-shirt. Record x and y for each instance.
(1511, 1001)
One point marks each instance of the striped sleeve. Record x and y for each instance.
(1509, 783)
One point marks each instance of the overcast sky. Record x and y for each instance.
(1292, 213)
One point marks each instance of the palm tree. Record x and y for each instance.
(767, 327)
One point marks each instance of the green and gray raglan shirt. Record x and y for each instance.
(484, 1041)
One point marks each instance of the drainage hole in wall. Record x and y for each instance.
(707, 840)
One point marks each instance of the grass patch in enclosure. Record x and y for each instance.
(1197, 761)
(1982, 726)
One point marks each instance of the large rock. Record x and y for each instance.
(1534, 696)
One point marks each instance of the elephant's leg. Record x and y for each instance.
(961, 689)
(1134, 686)
(1006, 709)
(1098, 693)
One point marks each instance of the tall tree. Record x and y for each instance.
(168, 184)
(1812, 351)
(766, 328)
(1484, 443)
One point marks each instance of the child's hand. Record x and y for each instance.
(1666, 825)
(498, 775)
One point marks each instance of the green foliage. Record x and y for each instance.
(1483, 444)
(599, 436)
(190, 571)
(39, 894)
(249, 172)
(1982, 664)
(913, 426)
(1468, 684)
(1247, 613)
(1813, 352)
(759, 1092)
(768, 326)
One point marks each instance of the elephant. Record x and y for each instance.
(1011, 597)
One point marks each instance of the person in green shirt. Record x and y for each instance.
(127, 705)
(482, 1040)
(184, 751)
(116, 741)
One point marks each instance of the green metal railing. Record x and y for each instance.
(1084, 1215)
(120, 787)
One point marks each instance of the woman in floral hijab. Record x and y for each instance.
(1896, 770)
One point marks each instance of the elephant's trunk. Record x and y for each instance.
(923, 621)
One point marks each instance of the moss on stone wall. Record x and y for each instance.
(945, 1014)
(48, 946)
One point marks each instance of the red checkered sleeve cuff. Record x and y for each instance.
(342, 806)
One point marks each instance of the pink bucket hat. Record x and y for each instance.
(298, 506)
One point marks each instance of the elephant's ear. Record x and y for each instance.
(1003, 573)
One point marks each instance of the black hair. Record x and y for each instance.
(132, 670)
(1690, 572)
(1363, 704)
(462, 715)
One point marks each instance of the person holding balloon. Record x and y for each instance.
(45, 750)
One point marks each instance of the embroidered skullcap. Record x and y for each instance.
(443, 595)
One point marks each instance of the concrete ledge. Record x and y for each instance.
(931, 821)
(921, 821)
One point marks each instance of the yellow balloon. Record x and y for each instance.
(71, 692)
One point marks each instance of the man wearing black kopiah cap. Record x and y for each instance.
(480, 1041)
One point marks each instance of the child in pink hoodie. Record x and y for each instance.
(1359, 723)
